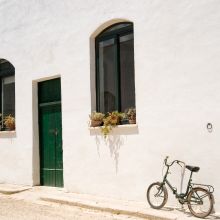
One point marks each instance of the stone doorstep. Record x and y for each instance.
(12, 189)
(112, 208)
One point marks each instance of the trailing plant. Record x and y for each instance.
(110, 120)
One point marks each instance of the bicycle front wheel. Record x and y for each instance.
(157, 195)
(200, 202)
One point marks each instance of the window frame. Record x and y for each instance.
(4, 83)
(103, 36)
(9, 72)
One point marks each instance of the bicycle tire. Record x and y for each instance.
(197, 197)
(161, 192)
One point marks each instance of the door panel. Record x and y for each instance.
(49, 91)
(50, 133)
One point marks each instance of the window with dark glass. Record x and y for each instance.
(7, 89)
(8, 96)
(115, 86)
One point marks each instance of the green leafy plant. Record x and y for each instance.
(96, 119)
(9, 122)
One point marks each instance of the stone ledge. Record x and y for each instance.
(12, 189)
(7, 134)
(111, 208)
(117, 126)
(127, 129)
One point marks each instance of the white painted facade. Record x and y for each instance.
(177, 80)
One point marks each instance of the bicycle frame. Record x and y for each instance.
(198, 197)
(173, 189)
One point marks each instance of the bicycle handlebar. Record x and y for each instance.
(175, 161)
(165, 160)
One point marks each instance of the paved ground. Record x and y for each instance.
(47, 203)
(13, 209)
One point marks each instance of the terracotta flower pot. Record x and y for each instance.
(96, 123)
(132, 121)
(124, 121)
(11, 127)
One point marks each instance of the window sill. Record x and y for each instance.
(117, 126)
(7, 134)
(127, 129)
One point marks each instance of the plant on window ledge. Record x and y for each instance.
(9, 122)
(111, 120)
(131, 114)
(96, 119)
(124, 119)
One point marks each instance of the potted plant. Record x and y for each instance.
(124, 119)
(131, 114)
(111, 120)
(96, 119)
(9, 122)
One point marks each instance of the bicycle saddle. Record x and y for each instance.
(192, 168)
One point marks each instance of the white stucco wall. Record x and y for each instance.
(177, 50)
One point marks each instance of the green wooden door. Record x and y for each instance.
(50, 133)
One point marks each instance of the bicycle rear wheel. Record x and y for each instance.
(200, 202)
(157, 195)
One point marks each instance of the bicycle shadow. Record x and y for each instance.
(187, 213)
(167, 208)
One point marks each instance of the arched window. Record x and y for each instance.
(115, 86)
(7, 89)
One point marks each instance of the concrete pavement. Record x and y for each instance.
(11, 189)
(131, 208)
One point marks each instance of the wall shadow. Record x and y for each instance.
(115, 140)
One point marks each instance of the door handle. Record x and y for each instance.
(54, 131)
